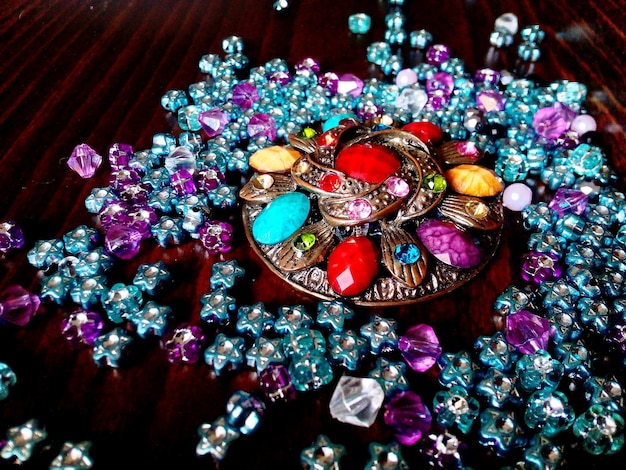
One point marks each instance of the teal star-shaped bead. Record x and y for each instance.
(223, 196)
(21, 441)
(151, 319)
(333, 314)
(346, 348)
(215, 438)
(73, 457)
(291, 318)
(496, 352)
(499, 388)
(455, 409)
(500, 430)
(216, 306)
(381, 333)
(606, 391)
(108, 349)
(80, 240)
(169, 231)
(93, 263)
(386, 457)
(265, 351)
(122, 301)
(390, 375)
(254, 319)
(46, 253)
(56, 287)
(88, 291)
(322, 455)
(226, 353)
(457, 369)
(7, 379)
(225, 273)
(152, 277)
(542, 453)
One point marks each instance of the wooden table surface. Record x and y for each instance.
(75, 71)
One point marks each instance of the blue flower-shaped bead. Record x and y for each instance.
(499, 388)
(549, 412)
(457, 369)
(496, 352)
(455, 409)
(501, 430)
(539, 371)
(600, 429)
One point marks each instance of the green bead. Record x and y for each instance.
(435, 182)
(304, 241)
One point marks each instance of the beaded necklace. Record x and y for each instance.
(522, 393)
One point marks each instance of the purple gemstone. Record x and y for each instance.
(113, 213)
(82, 327)
(216, 236)
(275, 381)
(437, 54)
(553, 121)
(330, 81)
(122, 178)
(122, 241)
(210, 179)
(142, 219)
(280, 78)
(539, 267)
(397, 187)
(245, 95)
(527, 332)
(488, 76)
(437, 99)
(350, 84)
(449, 244)
(441, 450)
(17, 305)
(182, 182)
(420, 347)
(440, 81)
(84, 161)
(310, 64)
(569, 200)
(184, 344)
(359, 209)
(407, 415)
(262, 125)
(617, 335)
(490, 100)
(213, 121)
(11, 237)
(120, 155)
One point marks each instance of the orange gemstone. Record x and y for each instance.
(353, 265)
(371, 163)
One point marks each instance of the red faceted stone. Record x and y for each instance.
(329, 138)
(371, 163)
(425, 131)
(352, 265)
(330, 182)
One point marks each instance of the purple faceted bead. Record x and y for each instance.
(122, 241)
(527, 332)
(407, 415)
(350, 84)
(490, 101)
(184, 344)
(245, 95)
(441, 450)
(120, 155)
(310, 64)
(213, 121)
(182, 182)
(440, 81)
(275, 381)
(330, 81)
(11, 237)
(437, 54)
(17, 305)
(262, 125)
(142, 219)
(114, 213)
(420, 347)
(210, 178)
(569, 200)
(84, 160)
(539, 267)
(438, 99)
(216, 236)
(489, 76)
(280, 78)
(122, 178)
(82, 327)
(553, 121)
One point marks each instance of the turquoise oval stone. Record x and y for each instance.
(334, 121)
(281, 218)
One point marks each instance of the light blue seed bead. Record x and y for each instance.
(586, 160)
(420, 39)
(163, 144)
(500, 38)
(232, 44)
(392, 65)
(572, 94)
(188, 118)
(532, 34)
(359, 23)
(199, 90)
(98, 198)
(208, 63)
(454, 66)
(528, 52)
(173, 100)
(190, 140)
(396, 36)
(378, 52)
(237, 61)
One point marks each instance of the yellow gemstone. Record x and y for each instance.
(477, 209)
(473, 180)
(275, 159)
(263, 181)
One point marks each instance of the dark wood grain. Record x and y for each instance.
(74, 71)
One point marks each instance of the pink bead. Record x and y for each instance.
(583, 124)
(406, 77)
(517, 196)
(359, 209)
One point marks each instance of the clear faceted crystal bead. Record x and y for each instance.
(356, 401)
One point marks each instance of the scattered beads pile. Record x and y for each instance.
(555, 372)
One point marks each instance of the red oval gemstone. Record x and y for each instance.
(352, 265)
(425, 131)
(329, 138)
(330, 182)
(371, 163)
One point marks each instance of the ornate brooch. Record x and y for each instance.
(371, 213)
